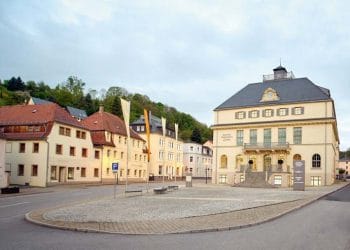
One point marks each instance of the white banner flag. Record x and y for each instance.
(126, 114)
(164, 125)
(176, 130)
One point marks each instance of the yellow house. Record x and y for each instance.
(45, 145)
(166, 152)
(109, 137)
(263, 128)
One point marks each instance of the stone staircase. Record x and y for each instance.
(255, 180)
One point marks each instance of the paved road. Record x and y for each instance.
(324, 224)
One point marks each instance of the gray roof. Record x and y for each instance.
(289, 91)
(77, 113)
(155, 123)
(40, 101)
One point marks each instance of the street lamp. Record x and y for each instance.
(206, 175)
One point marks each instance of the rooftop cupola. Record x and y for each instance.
(279, 73)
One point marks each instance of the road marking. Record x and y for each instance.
(14, 204)
(195, 198)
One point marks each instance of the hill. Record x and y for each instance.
(71, 93)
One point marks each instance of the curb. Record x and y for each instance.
(28, 217)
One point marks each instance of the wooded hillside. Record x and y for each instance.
(72, 93)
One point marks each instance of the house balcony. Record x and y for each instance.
(266, 147)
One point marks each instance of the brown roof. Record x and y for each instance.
(44, 114)
(103, 121)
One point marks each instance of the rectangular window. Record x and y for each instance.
(267, 137)
(298, 111)
(115, 154)
(297, 135)
(241, 178)
(83, 172)
(253, 138)
(108, 153)
(282, 112)
(277, 180)
(34, 170)
(128, 172)
(222, 179)
(315, 180)
(35, 147)
(282, 136)
(67, 131)
(254, 114)
(61, 131)
(84, 152)
(59, 149)
(239, 137)
(20, 171)
(22, 147)
(191, 158)
(77, 134)
(53, 173)
(70, 173)
(83, 135)
(97, 154)
(268, 113)
(121, 155)
(135, 172)
(240, 115)
(72, 151)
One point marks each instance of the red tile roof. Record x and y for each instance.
(99, 138)
(45, 114)
(103, 121)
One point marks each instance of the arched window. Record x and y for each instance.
(316, 161)
(223, 161)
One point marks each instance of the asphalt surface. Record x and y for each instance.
(324, 224)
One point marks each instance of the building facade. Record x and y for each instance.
(262, 129)
(166, 161)
(3, 173)
(197, 159)
(45, 145)
(109, 137)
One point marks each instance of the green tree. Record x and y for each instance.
(196, 135)
(15, 84)
(117, 107)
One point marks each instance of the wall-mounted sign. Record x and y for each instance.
(226, 137)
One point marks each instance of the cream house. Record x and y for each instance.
(45, 145)
(166, 159)
(198, 159)
(109, 137)
(3, 173)
(263, 128)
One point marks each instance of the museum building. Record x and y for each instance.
(262, 129)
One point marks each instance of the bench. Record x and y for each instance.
(173, 187)
(139, 190)
(160, 190)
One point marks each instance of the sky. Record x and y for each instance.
(188, 54)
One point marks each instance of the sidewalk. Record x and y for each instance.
(199, 209)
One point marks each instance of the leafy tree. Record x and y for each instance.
(117, 107)
(196, 135)
(15, 84)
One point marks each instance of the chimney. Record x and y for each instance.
(101, 109)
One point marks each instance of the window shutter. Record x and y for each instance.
(244, 115)
(250, 114)
(278, 112)
(263, 113)
(287, 111)
(236, 115)
(293, 111)
(302, 110)
(258, 113)
(272, 112)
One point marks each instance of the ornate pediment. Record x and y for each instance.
(269, 95)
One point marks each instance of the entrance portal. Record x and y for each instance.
(62, 174)
(267, 162)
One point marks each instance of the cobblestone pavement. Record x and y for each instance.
(198, 209)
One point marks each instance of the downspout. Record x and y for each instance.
(325, 146)
(101, 163)
(47, 163)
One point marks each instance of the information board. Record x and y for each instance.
(299, 176)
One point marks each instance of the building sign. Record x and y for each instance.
(226, 137)
(299, 176)
(115, 166)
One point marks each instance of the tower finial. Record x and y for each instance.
(280, 61)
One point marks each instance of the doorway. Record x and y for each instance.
(267, 162)
(62, 174)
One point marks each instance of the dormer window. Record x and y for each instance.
(240, 115)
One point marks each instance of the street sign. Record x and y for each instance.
(115, 166)
(299, 176)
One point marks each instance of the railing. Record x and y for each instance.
(272, 77)
(279, 168)
(269, 146)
